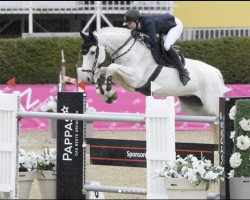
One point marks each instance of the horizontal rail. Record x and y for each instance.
(202, 119)
(112, 116)
(117, 117)
(113, 189)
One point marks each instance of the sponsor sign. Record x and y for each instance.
(69, 147)
(132, 153)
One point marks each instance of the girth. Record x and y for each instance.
(146, 89)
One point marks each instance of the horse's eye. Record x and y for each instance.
(92, 52)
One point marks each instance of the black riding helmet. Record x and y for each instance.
(131, 15)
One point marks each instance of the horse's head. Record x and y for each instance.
(93, 56)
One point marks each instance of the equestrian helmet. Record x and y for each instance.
(131, 15)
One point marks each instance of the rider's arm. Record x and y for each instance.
(151, 38)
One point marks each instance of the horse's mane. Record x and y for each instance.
(113, 30)
(117, 34)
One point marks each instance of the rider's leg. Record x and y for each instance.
(169, 39)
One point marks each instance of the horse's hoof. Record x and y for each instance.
(109, 100)
(114, 96)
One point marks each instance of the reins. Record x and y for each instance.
(120, 48)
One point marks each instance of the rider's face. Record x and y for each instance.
(132, 25)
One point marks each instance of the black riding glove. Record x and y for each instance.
(136, 34)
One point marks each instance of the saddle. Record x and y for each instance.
(165, 59)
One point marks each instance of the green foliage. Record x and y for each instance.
(242, 111)
(230, 55)
(37, 60)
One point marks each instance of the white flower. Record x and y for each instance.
(22, 159)
(208, 163)
(231, 173)
(52, 151)
(27, 161)
(194, 159)
(232, 135)
(245, 124)
(184, 169)
(235, 160)
(171, 164)
(191, 175)
(210, 175)
(47, 161)
(243, 142)
(22, 152)
(232, 113)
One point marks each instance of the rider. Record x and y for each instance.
(152, 24)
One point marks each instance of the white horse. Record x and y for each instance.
(135, 65)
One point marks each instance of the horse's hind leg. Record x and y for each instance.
(211, 105)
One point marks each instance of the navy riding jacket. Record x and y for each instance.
(152, 24)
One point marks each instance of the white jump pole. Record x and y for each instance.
(160, 142)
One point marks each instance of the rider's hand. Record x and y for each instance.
(136, 34)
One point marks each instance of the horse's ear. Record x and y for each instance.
(83, 35)
(92, 37)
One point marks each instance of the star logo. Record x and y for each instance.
(65, 109)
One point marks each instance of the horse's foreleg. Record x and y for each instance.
(105, 90)
(99, 79)
(99, 83)
(109, 83)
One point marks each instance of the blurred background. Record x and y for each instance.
(201, 19)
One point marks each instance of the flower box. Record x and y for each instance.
(47, 184)
(25, 182)
(179, 188)
(239, 188)
(189, 178)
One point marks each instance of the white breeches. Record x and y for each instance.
(173, 34)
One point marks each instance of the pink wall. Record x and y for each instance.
(34, 96)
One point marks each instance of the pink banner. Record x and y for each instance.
(33, 97)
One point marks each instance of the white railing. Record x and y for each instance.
(188, 34)
(209, 33)
(107, 7)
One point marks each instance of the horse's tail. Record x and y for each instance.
(224, 88)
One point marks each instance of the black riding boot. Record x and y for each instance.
(184, 74)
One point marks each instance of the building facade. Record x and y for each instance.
(201, 19)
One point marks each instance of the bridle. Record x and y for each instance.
(95, 61)
(94, 67)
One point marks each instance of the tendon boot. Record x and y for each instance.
(183, 73)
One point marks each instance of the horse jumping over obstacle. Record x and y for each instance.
(134, 64)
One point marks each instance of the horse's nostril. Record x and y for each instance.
(88, 80)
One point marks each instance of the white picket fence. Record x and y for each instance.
(9, 143)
